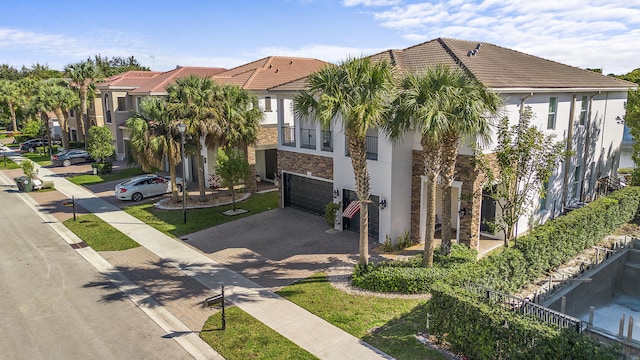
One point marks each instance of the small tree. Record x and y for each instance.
(233, 169)
(525, 159)
(100, 146)
(29, 169)
(32, 128)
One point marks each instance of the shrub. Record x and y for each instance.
(484, 330)
(28, 168)
(330, 212)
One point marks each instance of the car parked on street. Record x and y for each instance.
(69, 157)
(144, 186)
(31, 145)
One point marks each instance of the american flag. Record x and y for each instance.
(351, 210)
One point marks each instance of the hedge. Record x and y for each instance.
(482, 330)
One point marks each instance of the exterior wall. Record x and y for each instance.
(118, 117)
(305, 164)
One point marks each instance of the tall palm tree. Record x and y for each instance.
(154, 136)
(83, 74)
(418, 107)
(192, 100)
(473, 107)
(11, 96)
(240, 116)
(356, 93)
(58, 97)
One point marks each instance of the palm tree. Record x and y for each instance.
(83, 75)
(473, 107)
(154, 136)
(358, 91)
(192, 100)
(58, 97)
(11, 95)
(443, 104)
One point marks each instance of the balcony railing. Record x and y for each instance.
(327, 140)
(308, 139)
(372, 148)
(289, 136)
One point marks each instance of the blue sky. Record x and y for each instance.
(226, 33)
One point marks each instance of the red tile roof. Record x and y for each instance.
(153, 82)
(268, 72)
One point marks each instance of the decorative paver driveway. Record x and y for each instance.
(276, 248)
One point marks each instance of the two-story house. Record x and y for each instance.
(582, 108)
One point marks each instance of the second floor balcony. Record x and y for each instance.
(372, 148)
(288, 136)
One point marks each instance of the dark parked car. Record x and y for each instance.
(31, 145)
(71, 157)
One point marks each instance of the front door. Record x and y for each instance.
(488, 212)
(271, 163)
(353, 224)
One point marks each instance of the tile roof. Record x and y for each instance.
(495, 66)
(157, 85)
(500, 68)
(153, 82)
(268, 72)
(130, 79)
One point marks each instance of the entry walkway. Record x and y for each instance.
(293, 322)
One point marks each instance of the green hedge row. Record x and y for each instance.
(482, 330)
(553, 243)
(409, 277)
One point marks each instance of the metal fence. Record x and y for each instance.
(527, 307)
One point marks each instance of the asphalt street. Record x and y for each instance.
(55, 305)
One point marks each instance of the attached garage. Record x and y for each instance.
(306, 194)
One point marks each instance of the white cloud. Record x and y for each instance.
(350, 3)
(599, 33)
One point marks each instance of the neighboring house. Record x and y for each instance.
(580, 107)
(94, 110)
(258, 76)
(121, 95)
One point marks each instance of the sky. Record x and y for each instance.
(227, 33)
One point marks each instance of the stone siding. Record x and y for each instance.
(317, 166)
(470, 198)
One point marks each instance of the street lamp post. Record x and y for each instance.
(182, 128)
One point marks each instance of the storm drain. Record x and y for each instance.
(79, 245)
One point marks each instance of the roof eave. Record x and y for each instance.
(563, 89)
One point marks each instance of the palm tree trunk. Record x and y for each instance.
(449, 154)
(358, 152)
(63, 127)
(200, 160)
(427, 257)
(12, 114)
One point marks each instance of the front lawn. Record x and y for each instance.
(8, 164)
(247, 338)
(87, 179)
(38, 158)
(388, 324)
(98, 234)
(170, 221)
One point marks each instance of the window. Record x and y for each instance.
(372, 145)
(267, 103)
(71, 113)
(122, 105)
(553, 107)
(543, 195)
(107, 112)
(138, 101)
(583, 111)
(576, 183)
(327, 140)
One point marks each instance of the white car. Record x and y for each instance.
(144, 186)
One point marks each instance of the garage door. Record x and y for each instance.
(307, 194)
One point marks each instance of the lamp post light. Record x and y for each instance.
(182, 128)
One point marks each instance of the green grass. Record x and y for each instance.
(96, 179)
(387, 324)
(170, 221)
(38, 158)
(247, 338)
(99, 235)
(6, 163)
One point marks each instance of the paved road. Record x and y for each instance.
(51, 307)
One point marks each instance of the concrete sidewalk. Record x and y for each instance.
(301, 327)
